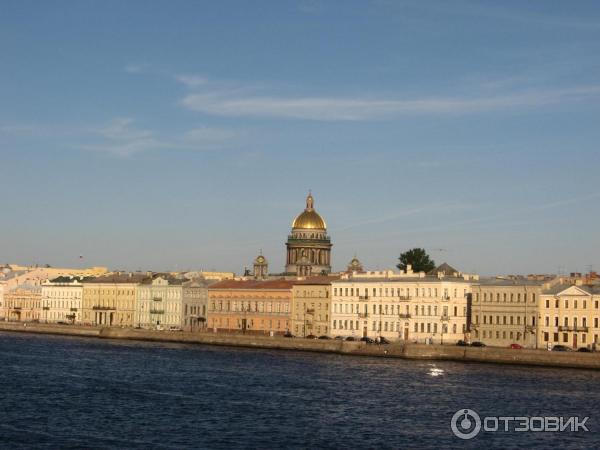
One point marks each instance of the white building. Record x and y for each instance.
(415, 307)
(159, 302)
(62, 300)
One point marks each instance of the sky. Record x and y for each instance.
(175, 135)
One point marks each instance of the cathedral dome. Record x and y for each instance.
(309, 218)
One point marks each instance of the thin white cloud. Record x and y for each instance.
(122, 138)
(135, 68)
(191, 81)
(227, 103)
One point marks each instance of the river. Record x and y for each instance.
(64, 392)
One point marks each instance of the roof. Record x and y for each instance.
(558, 288)
(444, 268)
(69, 279)
(503, 282)
(253, 284)
(426, 279)
(134, 278)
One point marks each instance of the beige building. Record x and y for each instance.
(111, 300)
(505, 311)
(569, 315)
(62, 300)
(23, 304)
(415, 307)
(311, 303)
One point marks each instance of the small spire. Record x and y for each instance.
(309, 201)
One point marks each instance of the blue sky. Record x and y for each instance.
(186, 134)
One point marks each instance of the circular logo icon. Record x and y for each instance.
(465, 424)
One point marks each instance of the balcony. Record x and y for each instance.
(157, 311)
(573, 328)
(445, 317)
(157, 299)
(46, 308)
(102, 308)
(363, 315)
(404, 298)
(73, 309)
(404, 316)
(445, 298)
(363, 297)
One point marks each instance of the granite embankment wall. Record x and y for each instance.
(397, 350)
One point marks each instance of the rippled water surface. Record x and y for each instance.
(58, 392)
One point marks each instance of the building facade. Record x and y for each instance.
(250, 306)
(505, 312)
(414, 307)
(111, 300)
(311, 304)
(23, 304)
(195, 304)
(159, 302)
(569, 315)
(62, 300)
(308, 245)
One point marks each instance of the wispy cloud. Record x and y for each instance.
(225, 103)
(191, 81)
(121, 137)
(135, 68)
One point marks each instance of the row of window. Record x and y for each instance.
(268, 307)
(566, 303)
(504, 320)
(262, 324)
(395, 292)
(505, 297)
(513, 335)
(566, 338)
(566, 322)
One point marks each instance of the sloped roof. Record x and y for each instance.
(445, 268)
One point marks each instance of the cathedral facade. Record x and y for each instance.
(308, 245)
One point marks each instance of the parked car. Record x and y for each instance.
(350, 338)
(383, 340)
(288, 334)
(462, 343)
(339, 338)
(584, 350)
(174, 328)
(311, 336)
(62, 323)
(324, 337)
(478, 344)
(561, 348)
(368, 340)
(515, 346)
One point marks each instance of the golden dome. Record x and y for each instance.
(309, 218)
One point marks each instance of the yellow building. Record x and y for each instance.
(111, 300)
(23, 304)
(505, 311)
(311, 303)
(569, 315)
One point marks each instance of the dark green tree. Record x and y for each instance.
(418, 259)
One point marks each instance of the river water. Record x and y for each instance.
(62, 392)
